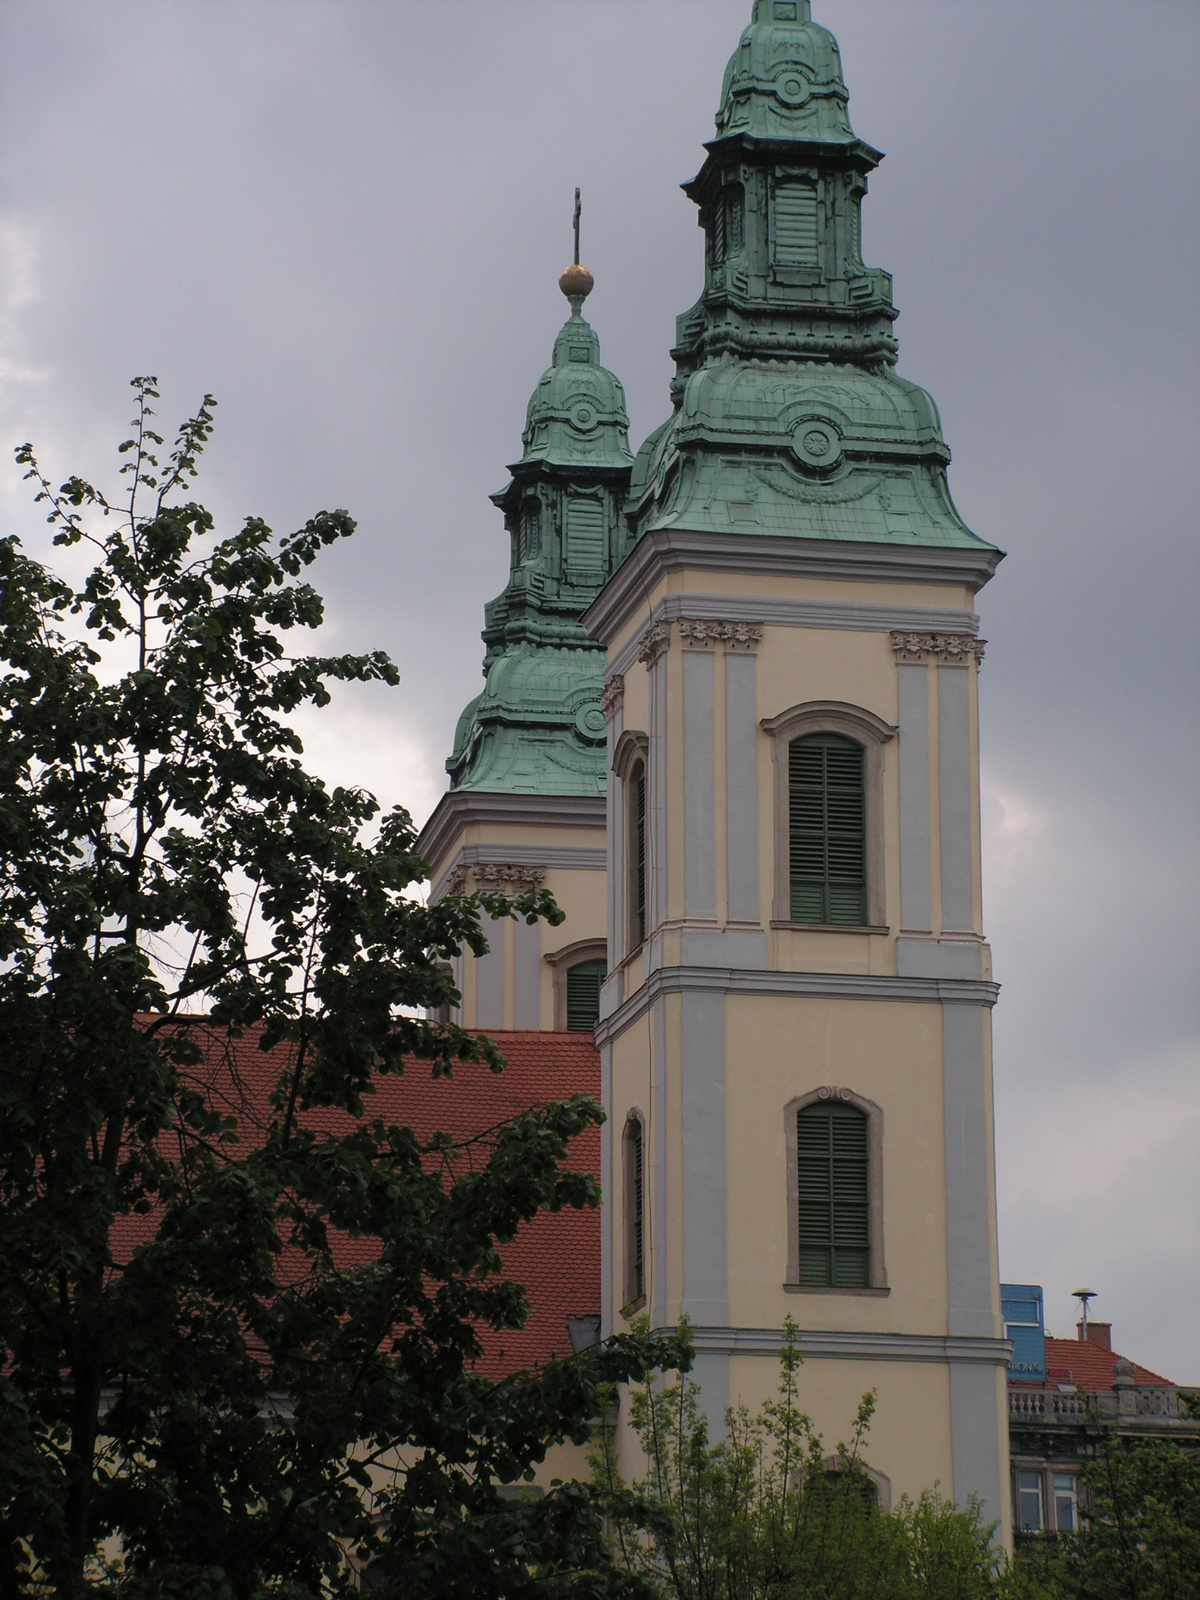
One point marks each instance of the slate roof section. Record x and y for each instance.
(556, 1256)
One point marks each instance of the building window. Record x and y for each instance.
(1065, 1515)
(1029, 1502)
(637, 855)
(583, 995)
(579, 969)
(834, 1196)
(827, 847)
(635, 1212)
(829, 866)
(531, 530)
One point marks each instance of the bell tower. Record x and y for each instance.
(795, 1028)
(526, 803)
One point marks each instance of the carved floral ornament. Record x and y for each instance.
(950, 649)
(699, 634)
(496, 875)
(613, 697)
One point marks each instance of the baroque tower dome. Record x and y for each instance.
(537, 728)
(789, 417)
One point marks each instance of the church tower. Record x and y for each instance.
(526, 803)
(795, 1026)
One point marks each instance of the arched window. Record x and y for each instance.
(827, 829)
(833, 1192)
(829, 849)
(583, 995)
(635, 1212)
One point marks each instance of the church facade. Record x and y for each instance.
(730, 720)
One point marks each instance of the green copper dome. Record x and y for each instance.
(577, 412)
(789, 417)
(537, 728)
(784, 80)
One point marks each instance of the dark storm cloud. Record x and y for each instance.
(347, 220)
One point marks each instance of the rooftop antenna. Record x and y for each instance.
(1083, 1296)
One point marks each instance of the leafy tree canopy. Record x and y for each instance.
(194, 1386)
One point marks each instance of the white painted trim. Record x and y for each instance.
(827, 985)
(573, 858)
(460, 808)
(666, 550)
(741, 786)
(776, 611)
(699, 780)
(853, 1346)
(954, 798)
(915, 842)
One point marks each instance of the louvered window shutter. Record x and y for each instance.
(585, 532)
(834, 1221)
(639, 1257)
(827, 830)
(795, 225)
(583, 995)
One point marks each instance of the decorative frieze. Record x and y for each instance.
(949, 649)
(508, 878)
(613, 697)
(655, 642)
(702, 635)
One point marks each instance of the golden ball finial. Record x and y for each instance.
(577, 282)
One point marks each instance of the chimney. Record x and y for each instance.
(1097, 1333)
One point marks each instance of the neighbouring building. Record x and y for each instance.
(730, 719)
(1061, 1392)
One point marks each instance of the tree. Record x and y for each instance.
(767, 1515)
(189, 1370)
(1140, 1533)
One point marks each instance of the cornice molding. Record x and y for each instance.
(461, 808)
(571, 858)
(774, 611)
(855, 1346)
(674, 549)
(825, 985)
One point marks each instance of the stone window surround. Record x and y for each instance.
(634, 1122)
(883, 1484)
(633, 746)
(872, 733)
(561, 961)
(877, 1267)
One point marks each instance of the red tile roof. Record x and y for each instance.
(556, 1256)
(1087, 1365)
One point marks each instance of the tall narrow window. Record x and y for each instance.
(834, 1196)
(635, 1212)
(1029, 1502)
(637, 854)
(795, 225)
(827, 830)
(583, 995)
(1064, 1502)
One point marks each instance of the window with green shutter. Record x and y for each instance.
(827, 829)
(583, 995)
(637, 1240)
(834, 1200)
(638, 862)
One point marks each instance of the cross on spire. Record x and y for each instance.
(578, 214)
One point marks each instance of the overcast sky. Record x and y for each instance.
(346, 218)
